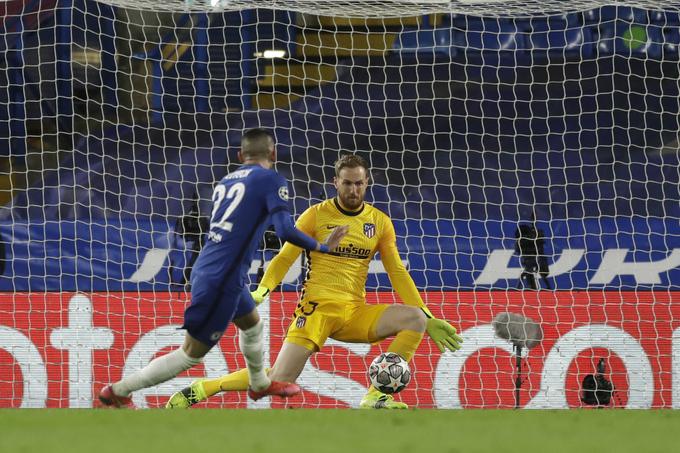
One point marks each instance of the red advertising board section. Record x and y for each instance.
(59, 349)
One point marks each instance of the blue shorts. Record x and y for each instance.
(212, 309)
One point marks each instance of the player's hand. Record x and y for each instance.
(443, 334)
(336, 236)
(260, 294)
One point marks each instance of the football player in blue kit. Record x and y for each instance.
(245, 202)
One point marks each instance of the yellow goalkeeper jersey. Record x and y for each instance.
(341, 274)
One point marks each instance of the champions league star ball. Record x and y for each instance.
(389, 373)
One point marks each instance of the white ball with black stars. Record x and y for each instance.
(389, 373)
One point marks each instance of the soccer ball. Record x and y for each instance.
(389, 373)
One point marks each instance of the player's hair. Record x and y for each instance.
(350, 161)
(256, 144)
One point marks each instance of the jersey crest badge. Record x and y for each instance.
(300, 322)
(216, 335)
(369, 230)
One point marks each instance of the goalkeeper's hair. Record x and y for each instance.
(350, 161)
(257, 144)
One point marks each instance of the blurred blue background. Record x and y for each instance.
(572, 120)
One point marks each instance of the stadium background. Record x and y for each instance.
(471, 125)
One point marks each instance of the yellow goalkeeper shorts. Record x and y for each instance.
(315, 321)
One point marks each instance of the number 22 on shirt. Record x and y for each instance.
(233, 198)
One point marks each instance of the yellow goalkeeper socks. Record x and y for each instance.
(238, 380)
(405, 343)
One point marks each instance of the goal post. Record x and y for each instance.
(527, 153)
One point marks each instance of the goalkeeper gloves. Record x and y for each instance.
(260, 294)
(443, 334)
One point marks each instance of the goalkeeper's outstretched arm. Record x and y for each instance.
(442, 333)
(284, 260)
(400, 278)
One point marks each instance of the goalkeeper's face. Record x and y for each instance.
(351, 184)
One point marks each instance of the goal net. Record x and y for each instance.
(526, 151)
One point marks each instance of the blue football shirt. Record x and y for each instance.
(243, 203)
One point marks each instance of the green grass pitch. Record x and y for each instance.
(318, 431)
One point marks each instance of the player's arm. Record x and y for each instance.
(277, 206)
(401, 280)
(288, 232)
(276, 271)
(297, 237)
(284, 259)
(442, 333)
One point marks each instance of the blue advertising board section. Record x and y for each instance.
(610, 254)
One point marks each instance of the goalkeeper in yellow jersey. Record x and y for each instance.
(333, 302)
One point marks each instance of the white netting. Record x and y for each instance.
(482, 122)
(390, 9)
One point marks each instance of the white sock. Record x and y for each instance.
(158, 370)
(251, 344)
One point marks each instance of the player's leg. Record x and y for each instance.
(159, 370)
(407, 324)
(372, 323)
(236, 381)
(292, 360)
(247, 319)
(288, 366)
(205, 320)
(251, 341)
(311, 325)
(307, 334)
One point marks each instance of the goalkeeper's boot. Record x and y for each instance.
(276, 388)
(110, 399)
(378, 400)
(188, 396)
